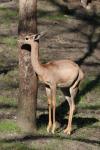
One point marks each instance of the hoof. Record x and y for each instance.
(49, 128)
(53, 128)
(67, 131)
(53, 132)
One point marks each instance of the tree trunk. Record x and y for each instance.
(28, 79)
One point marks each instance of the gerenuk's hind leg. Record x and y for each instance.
(73, 92)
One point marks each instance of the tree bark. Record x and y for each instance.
(28, 80)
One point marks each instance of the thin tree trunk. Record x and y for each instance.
(28, 79)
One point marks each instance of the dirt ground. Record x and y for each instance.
(71, 32)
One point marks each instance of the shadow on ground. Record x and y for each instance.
(78, 121)
(48, 137)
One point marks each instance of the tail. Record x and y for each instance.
(79, 79)
(81, 75)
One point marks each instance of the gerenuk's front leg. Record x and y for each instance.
(48, 92)
(54, 108)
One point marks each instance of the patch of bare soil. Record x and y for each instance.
(9, 3)
(77, 37)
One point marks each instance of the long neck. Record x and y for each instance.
(37, 66)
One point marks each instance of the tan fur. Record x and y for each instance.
(63, 73)
(86, 4)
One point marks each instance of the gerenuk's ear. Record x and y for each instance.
(20, 41)
(37, 37)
